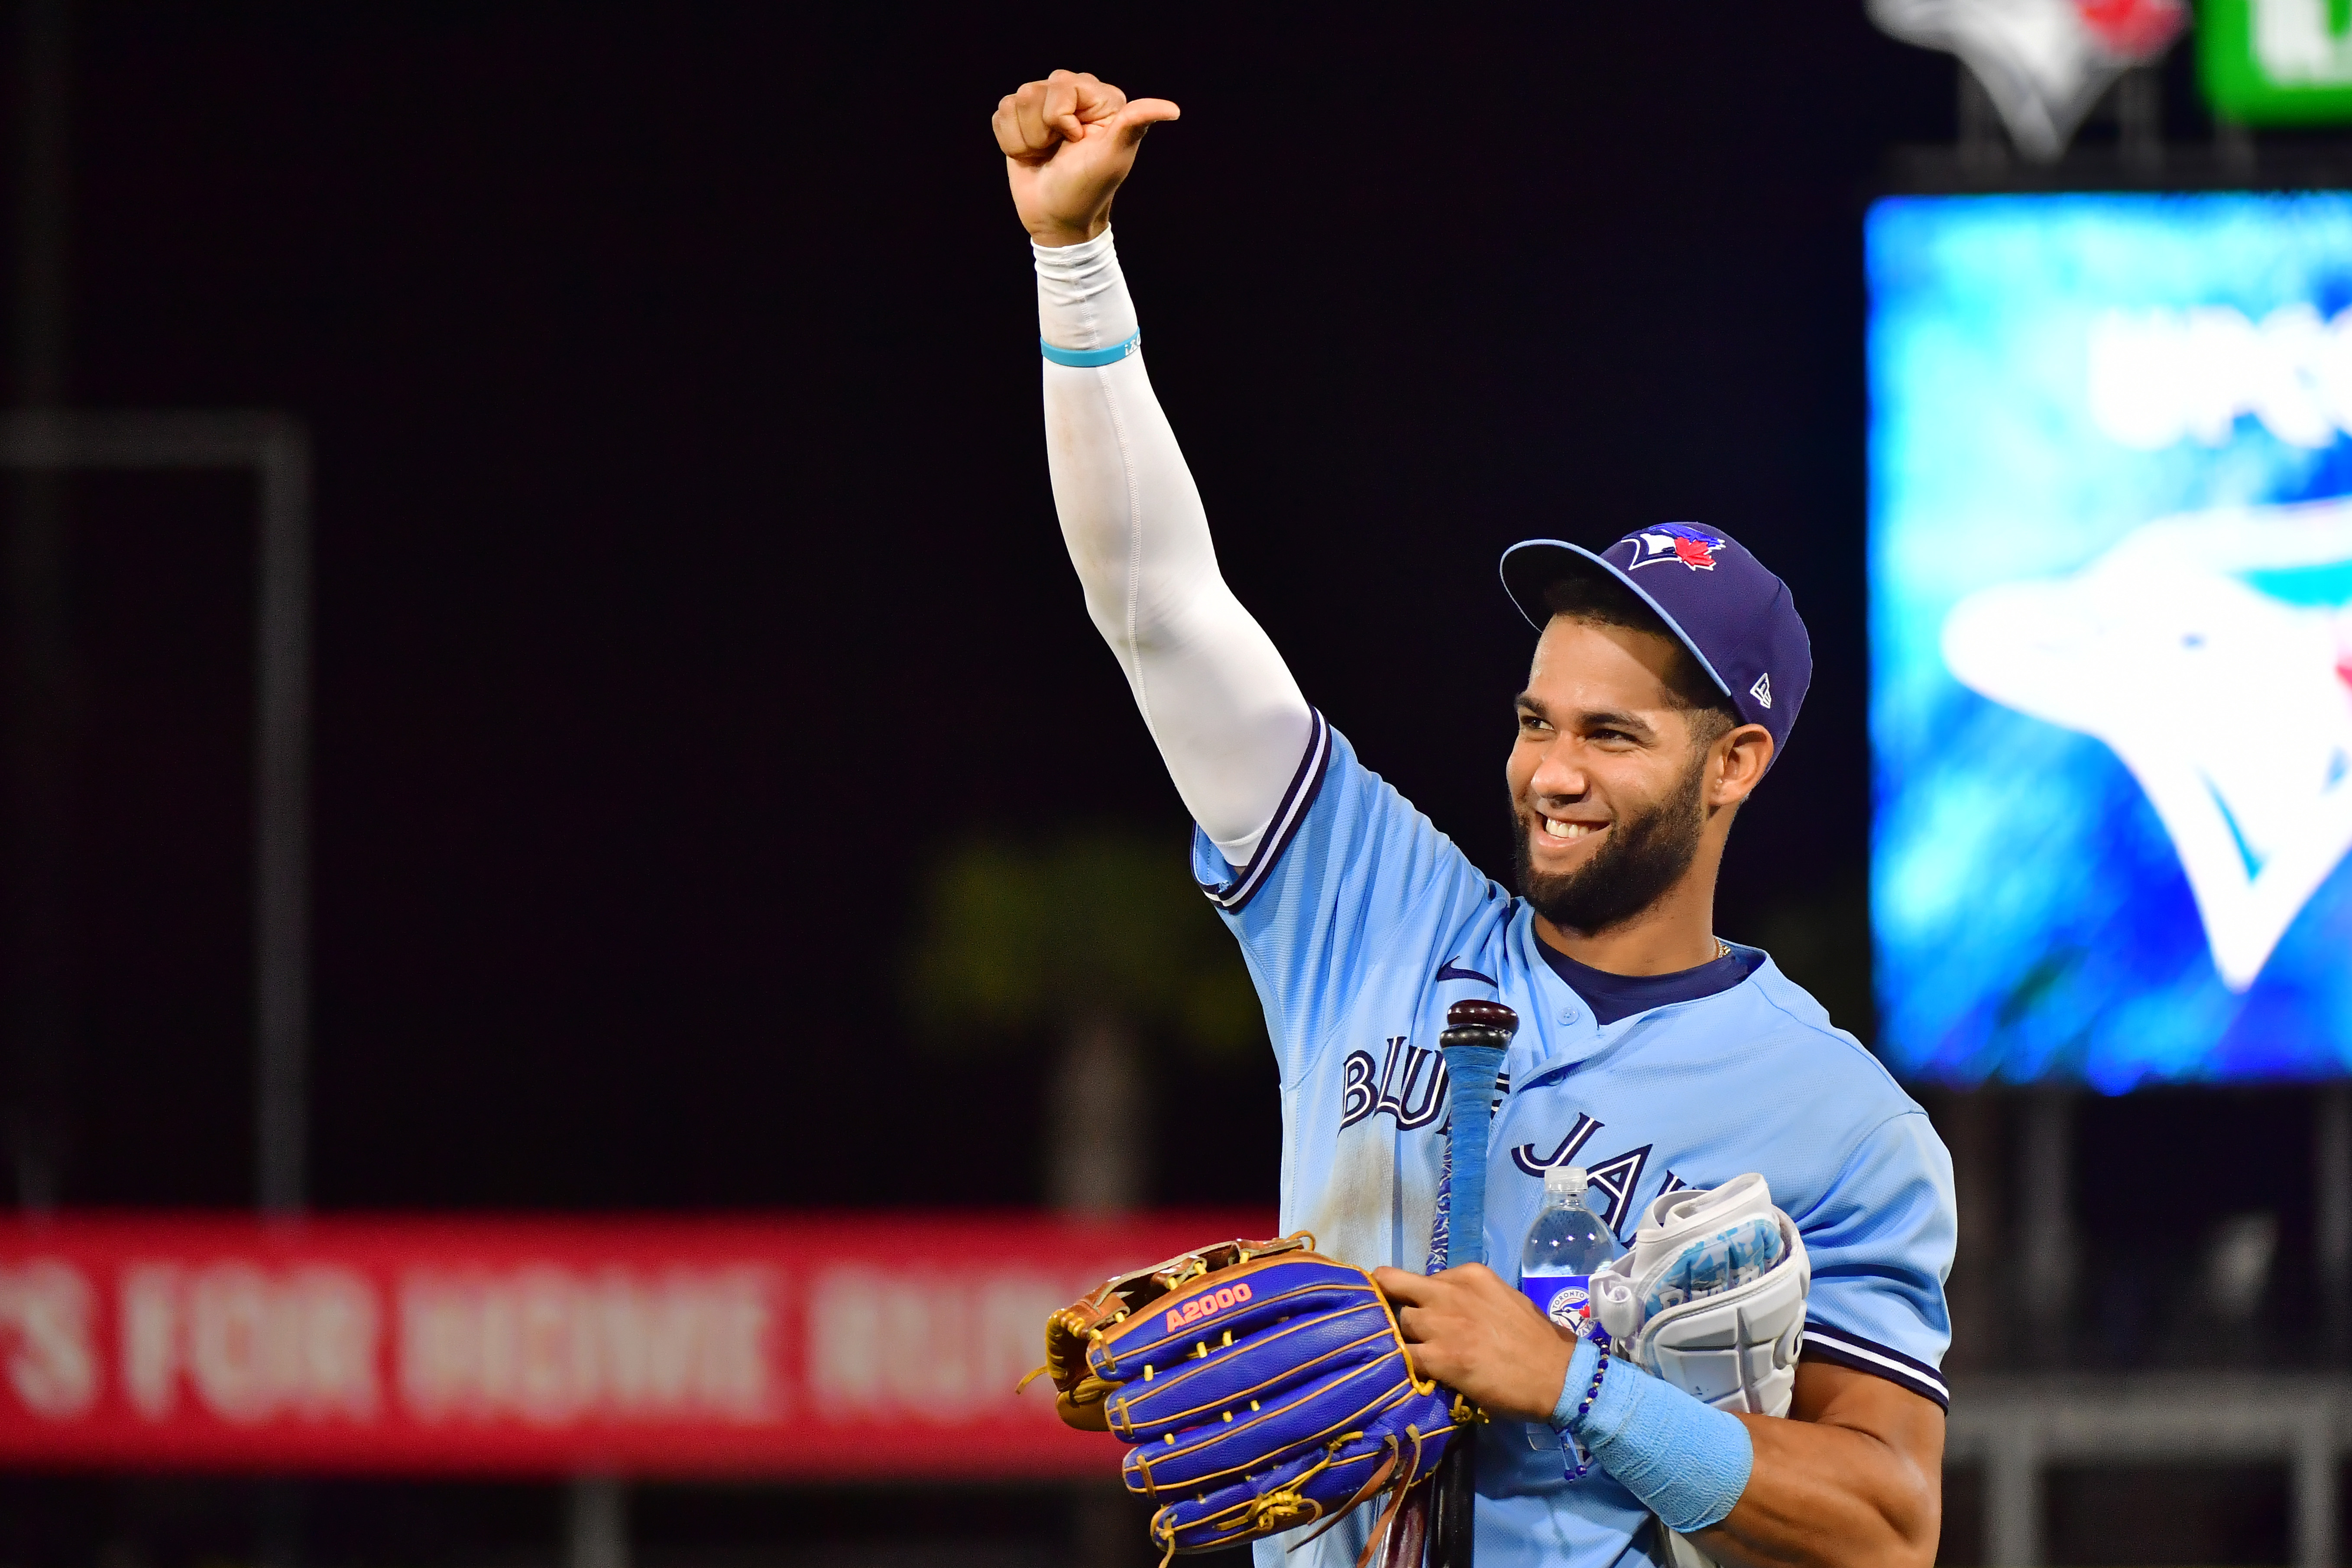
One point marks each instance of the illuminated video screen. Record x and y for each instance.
(2111, 637)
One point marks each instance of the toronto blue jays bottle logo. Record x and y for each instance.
(1566, 1308)
(1679, 543)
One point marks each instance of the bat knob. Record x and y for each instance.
(1480, 1022)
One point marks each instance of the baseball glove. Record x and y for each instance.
(1262, 1385)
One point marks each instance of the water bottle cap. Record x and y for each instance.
(1567, 1181)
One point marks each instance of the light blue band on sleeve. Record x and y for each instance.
(1688, 1461)
(1087, 359)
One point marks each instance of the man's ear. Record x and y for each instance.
(1739, 758)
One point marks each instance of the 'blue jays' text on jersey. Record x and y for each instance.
(1362, 923)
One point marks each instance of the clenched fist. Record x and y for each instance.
(1068, 141)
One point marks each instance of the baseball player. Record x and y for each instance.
(1668, 672)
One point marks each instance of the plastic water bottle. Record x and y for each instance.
(1564, 1246)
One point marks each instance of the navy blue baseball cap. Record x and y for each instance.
(1736, 617)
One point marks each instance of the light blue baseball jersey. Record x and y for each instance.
(1361, 924)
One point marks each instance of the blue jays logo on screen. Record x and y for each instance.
(1675, 545)
(2111, 613)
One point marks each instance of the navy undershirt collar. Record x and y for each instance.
(1614, 996)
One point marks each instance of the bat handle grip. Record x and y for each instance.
(1471, 1067)
(1477, 1033)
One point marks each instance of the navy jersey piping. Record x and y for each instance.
(1850, 1349)
(1616, 997)
(1305, 784)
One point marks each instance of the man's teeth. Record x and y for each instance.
(1567, 829)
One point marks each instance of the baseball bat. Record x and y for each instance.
(1476, 1035)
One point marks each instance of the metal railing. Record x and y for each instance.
(274, 448)
(2015, 1428)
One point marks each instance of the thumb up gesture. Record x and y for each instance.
(1068, 141)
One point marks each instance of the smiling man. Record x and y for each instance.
(1668, 670)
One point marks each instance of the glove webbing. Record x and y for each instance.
(1272, 1511)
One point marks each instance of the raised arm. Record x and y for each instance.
(1229, 720)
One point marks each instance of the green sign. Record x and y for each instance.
(2277, 62)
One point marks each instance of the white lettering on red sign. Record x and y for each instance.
(251, 1343)
(888, 1344)
(45, 1327)
(551, 1346)
(802, 1348)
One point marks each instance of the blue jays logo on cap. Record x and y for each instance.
(1679, 542)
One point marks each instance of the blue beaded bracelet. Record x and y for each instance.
(1091, 358)
(1577, 1469)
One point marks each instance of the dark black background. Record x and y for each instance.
(688, 578)
(688, 584)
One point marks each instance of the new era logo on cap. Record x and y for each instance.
(1762, 689)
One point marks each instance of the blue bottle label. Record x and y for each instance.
(1562, 1298)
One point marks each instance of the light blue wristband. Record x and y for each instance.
(1088, 358)
(1687, 1461)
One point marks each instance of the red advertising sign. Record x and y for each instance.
(835, 1346)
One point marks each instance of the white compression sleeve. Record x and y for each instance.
(1230, 721)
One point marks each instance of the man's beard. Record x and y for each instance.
(1644, 855)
